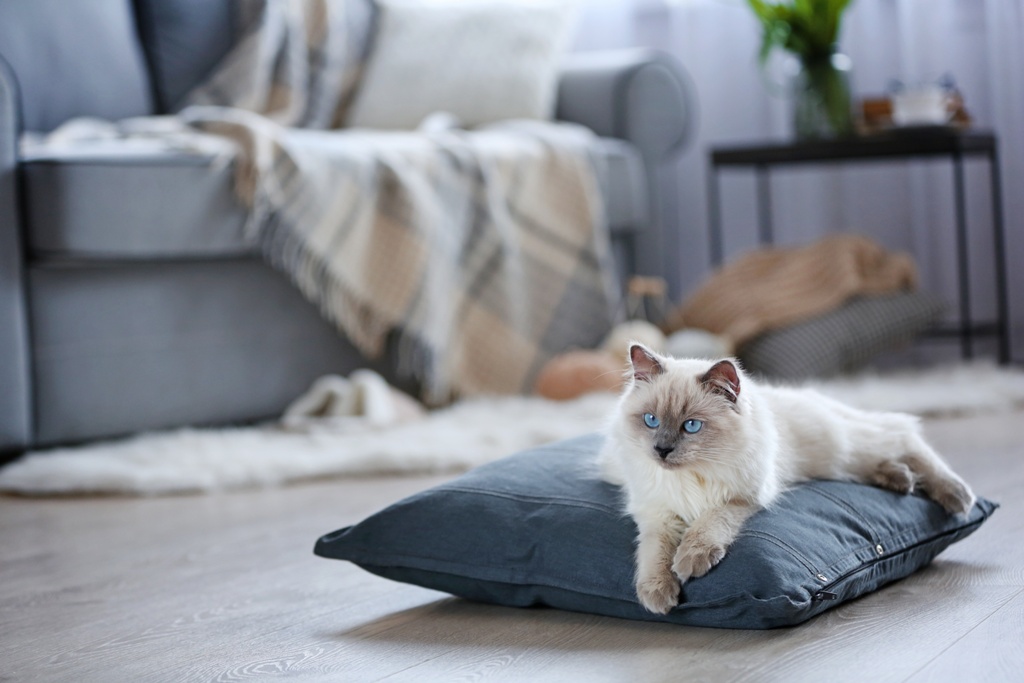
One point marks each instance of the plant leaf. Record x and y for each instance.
(808, 28)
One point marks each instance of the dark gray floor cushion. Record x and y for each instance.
(843, 340)
(540, 528)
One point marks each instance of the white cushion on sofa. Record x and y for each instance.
(479, 61)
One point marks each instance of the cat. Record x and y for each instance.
(698, 447)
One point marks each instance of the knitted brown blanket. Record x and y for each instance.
(775, 287)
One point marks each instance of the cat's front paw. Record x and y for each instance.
(658, 593)
(696, 559)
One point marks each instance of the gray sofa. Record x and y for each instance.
(121, 308)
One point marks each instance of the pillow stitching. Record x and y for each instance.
(521, 498)
(897, 538)
(435, 565)
(862, 565)
(876, 539)
(755, 533)
(902, 548)
(388, 561)
(812, 486)
(847, 576)
(866, 564)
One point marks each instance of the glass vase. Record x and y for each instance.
(822, 105)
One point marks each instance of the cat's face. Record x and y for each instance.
(682, 412)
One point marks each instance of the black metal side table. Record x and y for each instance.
(900, 144)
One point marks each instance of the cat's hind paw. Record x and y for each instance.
(953, 495)
(658, 594)
(696, 559)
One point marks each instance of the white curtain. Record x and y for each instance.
(980, 43)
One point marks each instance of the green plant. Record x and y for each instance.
(807, 28)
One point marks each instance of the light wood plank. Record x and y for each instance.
(993, 651)
(513, 645)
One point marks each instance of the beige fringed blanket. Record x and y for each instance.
(772, 288)
(486, 252)
(297, 64)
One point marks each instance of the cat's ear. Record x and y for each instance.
(644, 361)
(723, 379)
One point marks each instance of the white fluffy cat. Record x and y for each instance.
(698, 447)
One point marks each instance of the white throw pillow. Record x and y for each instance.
(478, 61)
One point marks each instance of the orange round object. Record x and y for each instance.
(575, 373)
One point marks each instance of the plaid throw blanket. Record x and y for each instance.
(485, 251)
(298, 64)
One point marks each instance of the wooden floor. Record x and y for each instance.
(225, 587)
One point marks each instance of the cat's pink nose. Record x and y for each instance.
(663, 451)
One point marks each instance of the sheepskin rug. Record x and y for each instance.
(402, 441)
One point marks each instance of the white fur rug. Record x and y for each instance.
(453, 439)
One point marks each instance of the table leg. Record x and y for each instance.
(715, 249)
(999, 247)
(963, 261)
(764, 204)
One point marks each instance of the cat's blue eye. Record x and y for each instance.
(651, 421)
(692, 426)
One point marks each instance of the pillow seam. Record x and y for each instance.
(765, 536)
(919, 536)
(846, 506)
(562, 502)
(547, 582)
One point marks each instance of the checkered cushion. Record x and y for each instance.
(842, 340)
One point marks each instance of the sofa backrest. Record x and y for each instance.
(118, 58)
(185, 39)
(74, 58)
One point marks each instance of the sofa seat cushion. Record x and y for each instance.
(127, 347)
(130, 201)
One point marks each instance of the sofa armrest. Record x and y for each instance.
(640, 95)
(15, 403)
